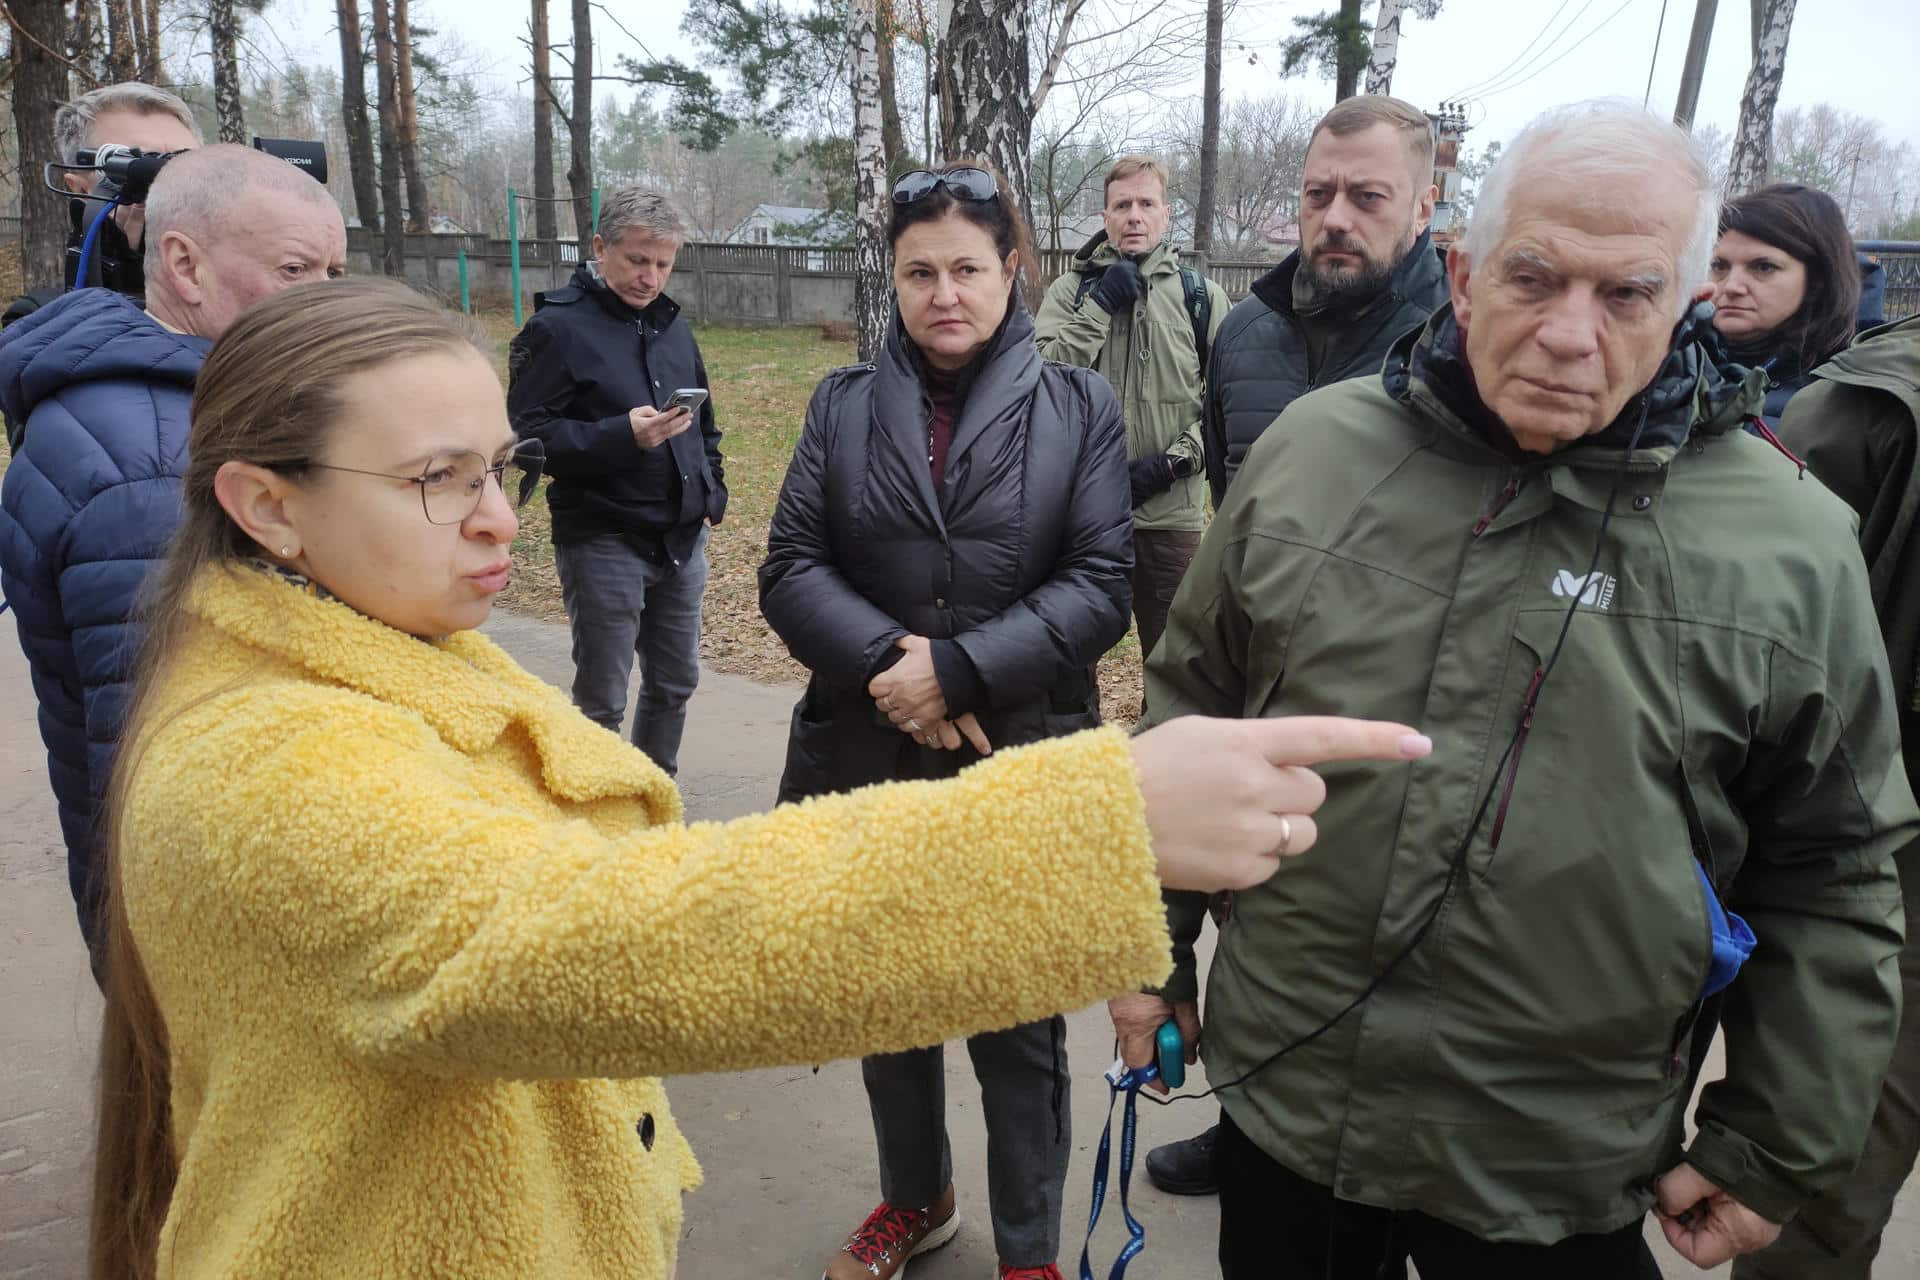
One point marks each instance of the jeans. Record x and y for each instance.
(1276, 1225)
(1029, 1132)
(621, 604)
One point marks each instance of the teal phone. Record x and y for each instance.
(1173, 1055)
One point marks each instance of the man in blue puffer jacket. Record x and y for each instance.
(92, 496)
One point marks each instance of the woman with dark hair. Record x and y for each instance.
(1786, 285)
(951, 553)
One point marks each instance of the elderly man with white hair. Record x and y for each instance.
(1461, 1031)
(103, 389)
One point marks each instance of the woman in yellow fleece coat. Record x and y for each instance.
(398, 938)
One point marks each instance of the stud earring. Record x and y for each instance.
(285, 552)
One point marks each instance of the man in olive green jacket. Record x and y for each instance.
(1857, 424)
(1642, 640)
(1125, 310)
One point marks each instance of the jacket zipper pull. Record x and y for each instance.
(1499, 504)
(1519, 745)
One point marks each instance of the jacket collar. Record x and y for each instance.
(1002, 380)
(464, 687)
(658, 314)
(1696, 391)
(1416, 277)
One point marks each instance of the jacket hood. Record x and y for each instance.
(1697, 389)
(1886, 358)
(1098, 253)
(90, 335)
(1416, 276)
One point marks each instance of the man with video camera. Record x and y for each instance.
(129, 115)
(103, 390)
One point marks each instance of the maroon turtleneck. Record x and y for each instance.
(943, 393)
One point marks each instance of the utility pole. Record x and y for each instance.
(1696, 65)
(1209, 133)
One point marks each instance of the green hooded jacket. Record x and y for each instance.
(1148, 356)
(1722, 698)
(1858, 426)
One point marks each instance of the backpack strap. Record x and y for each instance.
(1200, 310)
(1087, 280)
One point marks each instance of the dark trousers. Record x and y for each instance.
(1276, 1225)
(622, 605)
(1160, 560)
(1022, 1074)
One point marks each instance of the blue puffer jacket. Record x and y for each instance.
(89, 503)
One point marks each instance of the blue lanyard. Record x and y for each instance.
(1119, 1080)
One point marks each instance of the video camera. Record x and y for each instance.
(98, 253)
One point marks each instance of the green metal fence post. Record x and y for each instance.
(513, 235)
(596, 211)
(466, 293)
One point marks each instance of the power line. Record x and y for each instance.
(1654, 61)
(1498, 83)
(1452, 97)
(1625, 5)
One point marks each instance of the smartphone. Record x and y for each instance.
(1172, 1054)
(688, 398)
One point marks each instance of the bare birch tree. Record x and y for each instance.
(986, 109)
(1753, 142)
(869, 180)
(886, 31)
(1384, 55)
(223, 31)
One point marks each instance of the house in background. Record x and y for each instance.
(793, 226)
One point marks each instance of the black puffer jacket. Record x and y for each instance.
(583, 360)
(1023, 558)
(1258, 365)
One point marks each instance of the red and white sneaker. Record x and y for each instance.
(1048, 1272)
(881, 1247)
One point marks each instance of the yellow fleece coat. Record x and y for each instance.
(422, 934)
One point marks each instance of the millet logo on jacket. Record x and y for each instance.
(1595, 590)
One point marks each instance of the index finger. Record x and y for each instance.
(1319, 739)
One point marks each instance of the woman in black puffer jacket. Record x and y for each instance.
(950, 556)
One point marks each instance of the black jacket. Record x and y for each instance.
(1259, 362)
(583, 361)
(1023, 558)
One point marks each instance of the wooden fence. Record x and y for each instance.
(776, 285)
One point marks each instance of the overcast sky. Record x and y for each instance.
(1855, 54)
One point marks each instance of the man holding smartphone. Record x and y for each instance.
(608, 376)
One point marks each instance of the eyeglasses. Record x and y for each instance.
(967, 183)
(453, 483)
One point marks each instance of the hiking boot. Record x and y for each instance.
(880, 1248)
(1048, 1272)
(1185, 1168)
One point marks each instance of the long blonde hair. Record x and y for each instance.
(269, 393)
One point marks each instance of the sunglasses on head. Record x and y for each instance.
(963, 184)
